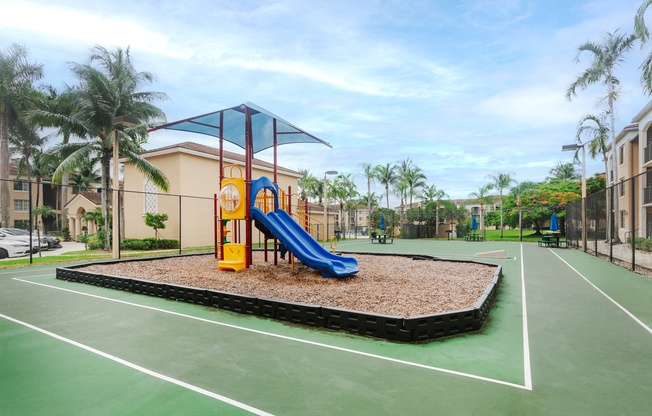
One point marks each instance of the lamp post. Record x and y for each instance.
(329, 172)
(574, 147)
(119, 123)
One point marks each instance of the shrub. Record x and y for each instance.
(642, 244)
(95, 242)
(167, 244)
(148, 244)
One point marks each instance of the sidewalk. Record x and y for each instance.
(66, 246)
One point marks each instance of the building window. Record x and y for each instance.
(622, 186)
(621, 154)
(21, 205)
(150, 198)
(22, 186)
(622, 219)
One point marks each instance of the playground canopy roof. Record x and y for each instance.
(230, 124)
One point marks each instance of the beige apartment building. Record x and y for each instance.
(193, 172)
(42, 194)
(634, 159)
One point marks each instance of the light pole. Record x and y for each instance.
(329, 172)
(573, 147)
(119, 123)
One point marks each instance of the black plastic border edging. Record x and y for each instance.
(393, 328)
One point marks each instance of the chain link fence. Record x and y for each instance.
(186, 222)
(618, 223)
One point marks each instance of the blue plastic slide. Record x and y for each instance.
(303, 246)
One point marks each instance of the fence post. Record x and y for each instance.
(31, 247)
(633, 211)
(180, 216)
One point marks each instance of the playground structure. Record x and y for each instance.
(255, 129)
(275, 223)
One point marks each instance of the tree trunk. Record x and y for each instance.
(4, 167)
(614, 163)
(501, 213)
(368, 205)
(65, 180)
(387, 195)
(106, 196)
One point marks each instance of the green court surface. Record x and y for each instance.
(569, 334)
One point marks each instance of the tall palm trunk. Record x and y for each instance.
(4, 166)
(106, 195)
(614, 166)
(65, 180)
(387, 194)
(368, 204)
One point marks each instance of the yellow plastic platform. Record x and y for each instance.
(234, 257)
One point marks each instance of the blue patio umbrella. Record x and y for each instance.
(474, 223)
(382, 222)
(554, 222)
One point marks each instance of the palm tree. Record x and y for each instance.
(25, 141)
(386, 175)
(432, 194)
(58, 110)
(500, 181)
(606, 57)
(400, 190)
(16, 78)
(344, 190)
(643, 34)
(414, 179)
(104, 92)
(564, 172)
(304, 183)
(595, 128)
(370, 174)
(402, 169)
(86, 175)
(482, 197)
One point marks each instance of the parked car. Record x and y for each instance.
(53, 242)
(17, 233)
(10, 247)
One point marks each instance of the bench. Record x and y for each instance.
(381, 239)
(474, 237)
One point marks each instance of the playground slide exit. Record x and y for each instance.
(303, 246)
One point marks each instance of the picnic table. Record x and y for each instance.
(381, 238)
(474, 237)
(552, 240)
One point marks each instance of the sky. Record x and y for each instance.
(464, 88)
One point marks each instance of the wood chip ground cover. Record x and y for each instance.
(388, 285)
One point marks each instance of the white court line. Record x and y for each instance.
(141, 369)
(631, 315)
(318, 344)
(527, 367)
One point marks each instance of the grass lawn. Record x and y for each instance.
(89, 255)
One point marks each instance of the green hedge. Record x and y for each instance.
(641, 243)
(148, 244)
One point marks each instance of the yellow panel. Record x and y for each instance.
(234, 257)
(233, 200)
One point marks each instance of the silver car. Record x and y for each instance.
(53, 242)
(18, 234)
(10, 247)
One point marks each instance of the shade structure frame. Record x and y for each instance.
(251, 128)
